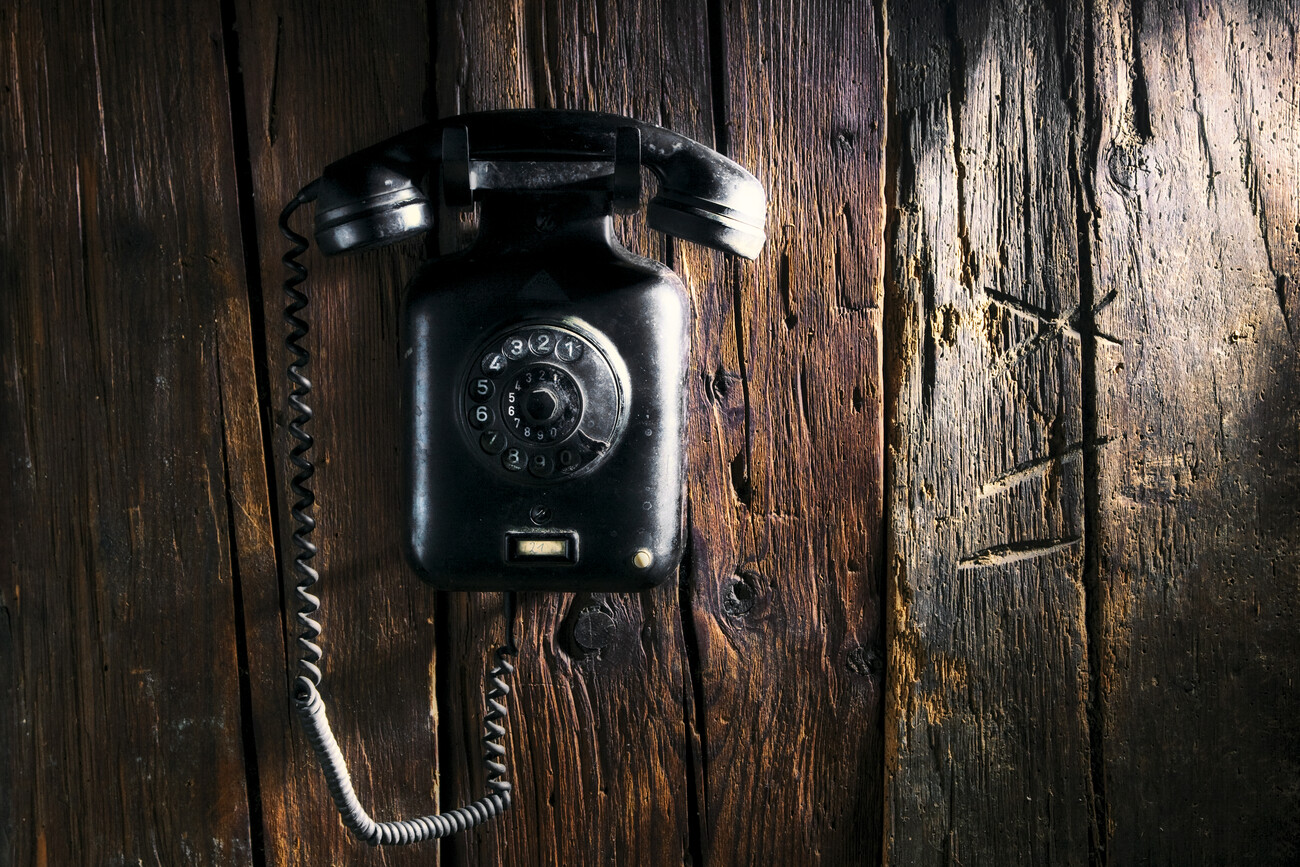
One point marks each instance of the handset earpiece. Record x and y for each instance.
(373, 197)
(703, 196)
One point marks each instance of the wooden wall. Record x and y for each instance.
(994, 452)
(1094, 434)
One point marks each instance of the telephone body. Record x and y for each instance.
(544, 366)
(543, 372)
(543, 369)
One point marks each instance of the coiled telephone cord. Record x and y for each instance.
(306, 693)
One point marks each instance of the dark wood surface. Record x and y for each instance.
(126, 373)
(699, 666)
(993, 452)
(786, 528)
(319, 81)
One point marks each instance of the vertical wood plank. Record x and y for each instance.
(598, 743)
(989, 758)
(1196, 184)
(786, 498)
(120, 737)
(320, 81)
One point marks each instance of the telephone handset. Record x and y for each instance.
(543, 372)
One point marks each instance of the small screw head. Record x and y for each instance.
(642, 559)
(540, 515)
(594, 630)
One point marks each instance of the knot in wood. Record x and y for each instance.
(865, 661)
(1128, 168)
(741, 594)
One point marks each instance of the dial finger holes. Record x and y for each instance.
(541, 398)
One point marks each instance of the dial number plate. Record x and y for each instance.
(543, 403)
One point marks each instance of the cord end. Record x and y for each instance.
(511, 605)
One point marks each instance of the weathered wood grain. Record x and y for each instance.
(786, 428)
(746, 781)
(1196, 182)
(120, 735)
(599, 746)
(989, 752)
(1089, 274)
(320, 81)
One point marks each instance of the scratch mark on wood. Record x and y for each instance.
(1027, 310)
(1106, 300)
(1029, 470)
(1050, 325)
(1107, 338)
(99, 92)
(1014, 552)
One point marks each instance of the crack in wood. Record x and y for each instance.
(783, 285)
(744, 489)
(1250, 172)
(273, 102)
(247, 728)
(695, 710)
(1139, 103)
(1084, 155)
(241, 131)
(804, 412)
(1202, 135)
(956, 101)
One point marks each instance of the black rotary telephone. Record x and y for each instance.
(543, 372)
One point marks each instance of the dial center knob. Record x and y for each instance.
(541, 405)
